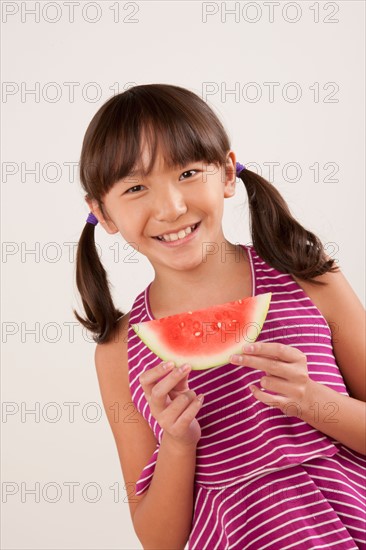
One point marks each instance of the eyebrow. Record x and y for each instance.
(131, 175)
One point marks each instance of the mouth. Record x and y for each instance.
(180, 236)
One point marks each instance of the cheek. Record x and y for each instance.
(214, 205)
(128, 231)
(132, 224)
(209, 200)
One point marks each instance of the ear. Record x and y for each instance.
(230, 175)
(108, 225)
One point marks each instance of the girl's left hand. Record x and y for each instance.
(286, 376)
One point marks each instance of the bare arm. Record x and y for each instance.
(339, 416)
(162, 515)
(346, 317)
(296, 394)
(163, 519)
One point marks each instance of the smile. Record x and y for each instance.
(180, 238)
(182, 234)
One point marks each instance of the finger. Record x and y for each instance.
(174, 393)
(156, 393)
(188, 414)
(148, 378)
(185, 408)
(288, 407)
(277, 385)
(176, 407)
(283, 352)
(268, 399)
(270, 365)
(182, 384)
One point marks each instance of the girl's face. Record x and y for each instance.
(168, 201)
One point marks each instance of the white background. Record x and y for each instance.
(315, 49)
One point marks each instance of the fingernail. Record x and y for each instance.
(168, 365)
(235, 358)
(184, 368)
(248, 348)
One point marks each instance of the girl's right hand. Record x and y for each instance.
(173, 405)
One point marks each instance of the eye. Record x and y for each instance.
(187, 171)
(130, 190)
(134, 187)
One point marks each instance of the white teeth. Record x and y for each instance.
(176, 236)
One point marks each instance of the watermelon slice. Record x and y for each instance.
(206, 338)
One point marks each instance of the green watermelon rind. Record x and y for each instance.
(262, 305)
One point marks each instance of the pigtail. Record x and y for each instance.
(92, 283)
(278, 237)
(180, 123)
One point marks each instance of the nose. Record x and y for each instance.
(169, 203)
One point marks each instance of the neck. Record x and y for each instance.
(223, 275)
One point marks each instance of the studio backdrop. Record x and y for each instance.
(287, 80)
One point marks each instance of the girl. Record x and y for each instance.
(267, 451)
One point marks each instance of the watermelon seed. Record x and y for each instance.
(182, 324)
(197, 333)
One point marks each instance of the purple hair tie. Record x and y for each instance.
(92, 219)
(239, 168)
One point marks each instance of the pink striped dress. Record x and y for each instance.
(264, 480)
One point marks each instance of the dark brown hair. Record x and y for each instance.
(185, 129)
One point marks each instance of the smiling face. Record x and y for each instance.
(166, 202)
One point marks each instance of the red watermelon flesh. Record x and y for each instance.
(206, 338)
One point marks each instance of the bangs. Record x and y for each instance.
(158, 118)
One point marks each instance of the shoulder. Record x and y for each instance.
(345, 315)
(135, 440)
(116, 345)
(334, 298)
